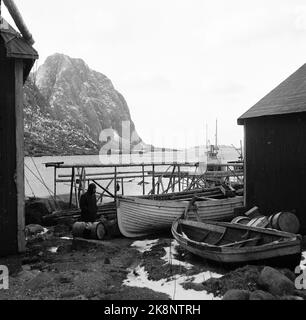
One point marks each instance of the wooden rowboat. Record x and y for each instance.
(138, 217)
(237, 244)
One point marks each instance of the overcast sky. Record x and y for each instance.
(179, 63)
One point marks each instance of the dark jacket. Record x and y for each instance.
(89, 208)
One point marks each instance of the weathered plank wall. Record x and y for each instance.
(8, 195)
(276, 164)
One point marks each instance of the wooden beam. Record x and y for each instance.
(143, 181)
(71, 187)
(19, 175)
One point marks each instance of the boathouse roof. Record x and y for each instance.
(288, 97)
(17, 47)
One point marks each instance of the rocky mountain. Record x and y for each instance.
(67, 106)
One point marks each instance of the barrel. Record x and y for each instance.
(85, 230)
(259, 222)
(285, 221)
(97, 230)
(241, 220)
(78, 229)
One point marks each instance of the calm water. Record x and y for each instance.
(39, 179)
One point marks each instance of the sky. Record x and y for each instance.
(180, 64)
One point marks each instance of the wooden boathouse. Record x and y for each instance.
(17, 57)
(275, 149)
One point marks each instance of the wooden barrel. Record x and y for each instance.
(78, 229)
(259, 222)
(241, 220)
(285, 221)
(97, 230)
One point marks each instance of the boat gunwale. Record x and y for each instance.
(180, 203)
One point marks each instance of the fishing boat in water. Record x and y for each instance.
(141, 216)
(229, 243)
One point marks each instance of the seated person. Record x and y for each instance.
(88, 205)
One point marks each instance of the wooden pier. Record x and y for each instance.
(155, 179)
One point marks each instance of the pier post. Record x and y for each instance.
(153, 179)
(55, 191)
(71, 187)
(143, 180)
(115, 175)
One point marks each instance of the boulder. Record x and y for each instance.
(237, 295)
(289, 274)
(261, 295)
(275, 282)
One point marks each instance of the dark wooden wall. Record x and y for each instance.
(8, 190)
(276, 164)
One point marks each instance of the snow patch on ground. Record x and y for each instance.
(44, 232)
(66, 238)
(53, 249)
(173, 286)
(171, 252)
(144, 246)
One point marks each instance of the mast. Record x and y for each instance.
(207, 136)
(216, 146)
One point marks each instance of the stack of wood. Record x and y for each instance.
(106, 211)
(220, 192)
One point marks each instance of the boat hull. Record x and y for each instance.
(140, 217)
(286, 253)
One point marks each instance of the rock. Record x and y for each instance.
(261, 295)
(237, 295)
(291, 298)
(289, 274)
(40, 281)
(275, 282)
(71, 104)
